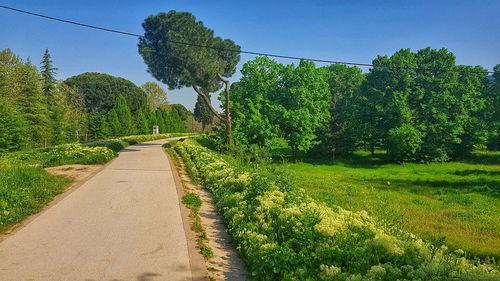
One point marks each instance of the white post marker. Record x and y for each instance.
(156, 130)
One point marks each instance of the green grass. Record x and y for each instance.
(192, 201)
(24, 191)
(459, 201)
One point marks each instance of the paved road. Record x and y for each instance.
(122, 224)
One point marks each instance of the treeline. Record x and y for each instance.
(418, 106)
(36, 110)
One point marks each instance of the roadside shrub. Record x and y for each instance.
(118, 144)
(114, 144)
(283, 234)
(61, 155)
(135, 139)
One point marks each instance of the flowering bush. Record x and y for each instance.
(285, 235)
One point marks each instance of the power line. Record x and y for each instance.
(208, 46)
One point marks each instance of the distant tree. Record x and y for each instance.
(274, 100)
(48, 72)
(115, 127)
(341, 136)
(182, 65)
(155, 95)
(97, 125)
(12, 129)
(142, 123)
(33, 106)
(492, 111)
(60, 114)
(124, 116)
(58, 103)
(471, 92)
(100, 91)
(253, 117)
(160, 120)
(152, 120)
(76, 124)
(202, 113)
(21, 89)
(303, 106)
(182, 111)
(423, 91)
(388, 86)
(9, 66)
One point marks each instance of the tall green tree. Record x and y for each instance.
(142, 123)
(60, 114)
(183, 65)
(424, 98)
(124, 116)
(301, 106)
(48, 72)
(341, 136)
(492, 110)
(202, 113)
(76, 124)
(252, 102)
(58, 104)
(115, 127)
(33, 106)
(274, 100)
(12, 129)
(98, 127)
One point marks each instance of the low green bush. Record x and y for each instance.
(60, 155)
(24, 191)
(283, 234)
(114, 144)
(131, 140)
(118, 144)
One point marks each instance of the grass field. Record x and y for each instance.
(457, 201)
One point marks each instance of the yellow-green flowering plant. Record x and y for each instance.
(285, 235)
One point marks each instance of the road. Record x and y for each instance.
(122, 224)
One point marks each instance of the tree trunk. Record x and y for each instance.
(227, 109)
(294, 153)
(372, 148)
(229, 128)
(207, 102)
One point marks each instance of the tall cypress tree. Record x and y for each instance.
(124, 115)
(98, 127)
(48, 72)
(114, 123)
(142, 123)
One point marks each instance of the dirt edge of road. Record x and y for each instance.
(225, 264)
(198, 269)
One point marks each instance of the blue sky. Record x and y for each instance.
(337, 30)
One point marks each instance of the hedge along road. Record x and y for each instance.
(122, 224)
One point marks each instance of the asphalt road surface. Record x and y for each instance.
(122, 224)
